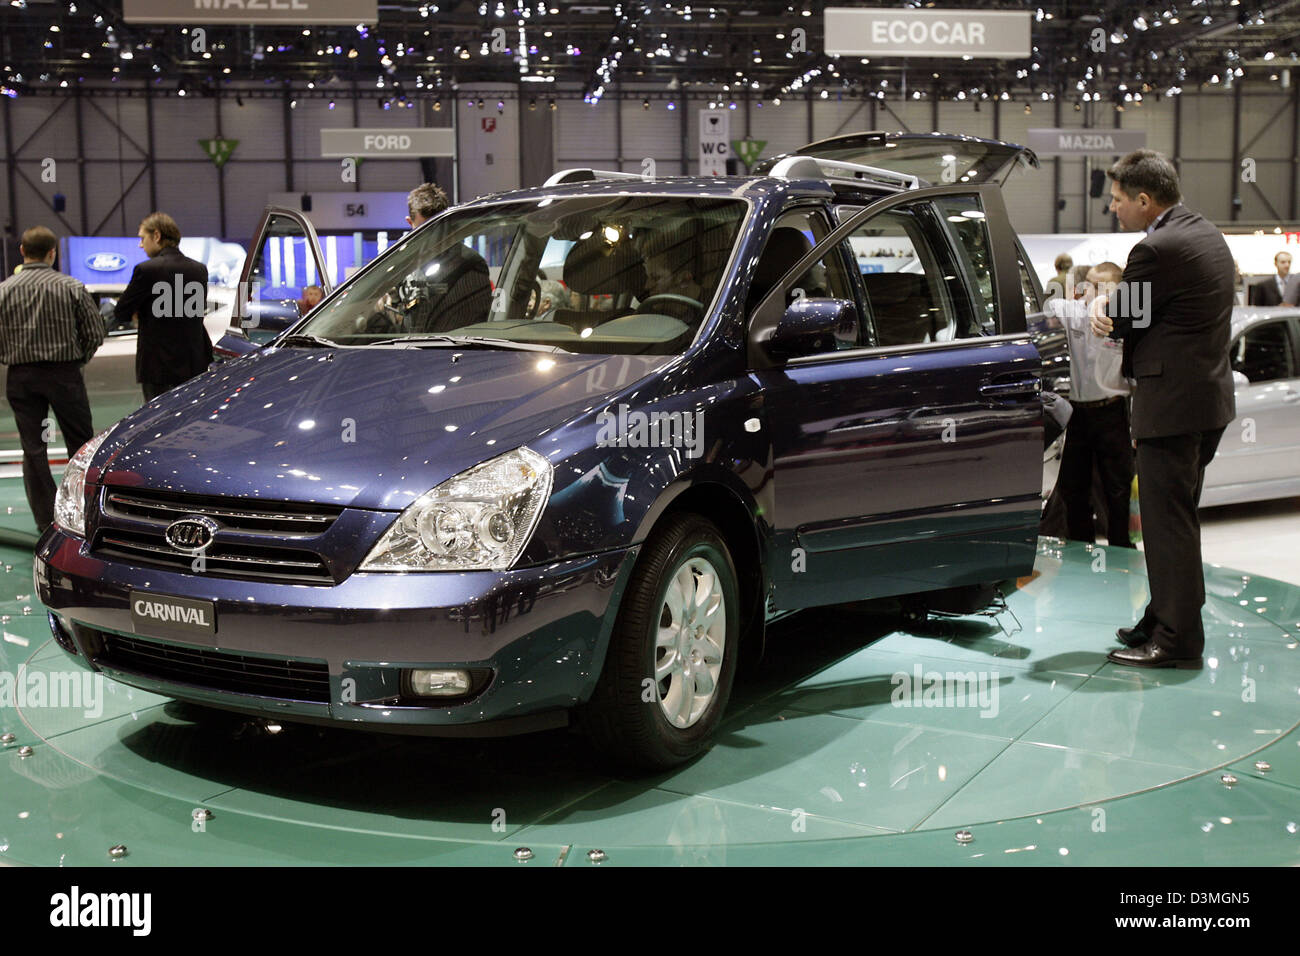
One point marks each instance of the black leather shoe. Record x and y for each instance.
(1151, 654)
(1132, 636)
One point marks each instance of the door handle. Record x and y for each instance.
(1010, 389)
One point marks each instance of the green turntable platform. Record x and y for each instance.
(1002, 739)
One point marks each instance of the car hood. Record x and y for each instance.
(367, 428)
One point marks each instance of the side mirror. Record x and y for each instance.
(1239, 379)
(811, 326)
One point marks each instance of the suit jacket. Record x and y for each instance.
(172, 345)
(1264, 292)
(1292, 291)
(1184, 274)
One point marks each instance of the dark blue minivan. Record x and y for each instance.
(561, 453)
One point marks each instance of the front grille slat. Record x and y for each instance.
(269, 541)
(246, 520)
(217, 670)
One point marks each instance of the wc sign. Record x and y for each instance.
(715, 142)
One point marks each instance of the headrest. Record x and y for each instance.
(890, 288)
(784, 248)
(594, 267)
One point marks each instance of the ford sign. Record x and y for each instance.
(106, 262)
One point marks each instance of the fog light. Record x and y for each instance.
(439, 683)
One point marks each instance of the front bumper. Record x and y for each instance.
(540, 632)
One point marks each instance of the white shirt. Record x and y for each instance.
(1086, 349)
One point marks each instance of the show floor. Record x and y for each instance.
(1062, 759)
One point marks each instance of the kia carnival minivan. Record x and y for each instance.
(560, 454)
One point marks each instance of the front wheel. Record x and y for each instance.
(672, 654)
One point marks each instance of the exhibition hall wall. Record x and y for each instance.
(617, 132)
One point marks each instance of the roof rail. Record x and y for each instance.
(812, 167)
(582, 174)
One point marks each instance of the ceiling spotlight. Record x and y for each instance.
(550, 104)
(671, 106)
(437, 106)
(645, 104)
(532, 103)
(480, 104)
(1028, 110)
(331, 104)
(501, 106)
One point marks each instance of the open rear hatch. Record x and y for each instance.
(934, 158)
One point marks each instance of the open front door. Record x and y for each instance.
(913, 462)
(277, 285)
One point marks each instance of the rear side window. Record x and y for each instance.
(1263, 354)
(964, 221)
(914, 290)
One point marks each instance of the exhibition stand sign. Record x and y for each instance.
(296, 12)
(857, 31)
(108, 260)
(379, 143)
(1085, 142)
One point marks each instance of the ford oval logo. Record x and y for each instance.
(191, 535)
(106, 262)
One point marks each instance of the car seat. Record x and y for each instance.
(785, 246)
(594, 266)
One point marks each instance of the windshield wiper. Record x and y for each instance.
(301, 338)
(471, 341)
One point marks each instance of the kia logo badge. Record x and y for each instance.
(192, 534)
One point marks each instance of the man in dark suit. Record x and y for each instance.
(167, 298)
(1271, 290)
(1172, 311)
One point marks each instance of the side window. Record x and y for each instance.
(1027, 288)
(276, 284)
(794, 234)
(914, 292)
(1263, 354)
(964, 221)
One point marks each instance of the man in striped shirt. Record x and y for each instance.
(49, 328)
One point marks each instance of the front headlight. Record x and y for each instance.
(70, 503)
(478, 520)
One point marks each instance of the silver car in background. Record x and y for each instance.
(1259, 456)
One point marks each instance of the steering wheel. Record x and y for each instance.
(673, 297)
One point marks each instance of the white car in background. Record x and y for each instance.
(1259, 456)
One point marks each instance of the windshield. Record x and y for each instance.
(604, 274)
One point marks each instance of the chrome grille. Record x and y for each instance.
(251, 517)
(258, 540)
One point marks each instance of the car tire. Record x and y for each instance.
(646, 713)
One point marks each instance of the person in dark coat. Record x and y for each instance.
(1271, 290)
(1173, 312)
(166, 300)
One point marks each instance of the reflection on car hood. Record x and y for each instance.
(370, 428)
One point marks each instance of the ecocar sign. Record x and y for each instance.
(854, 31)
